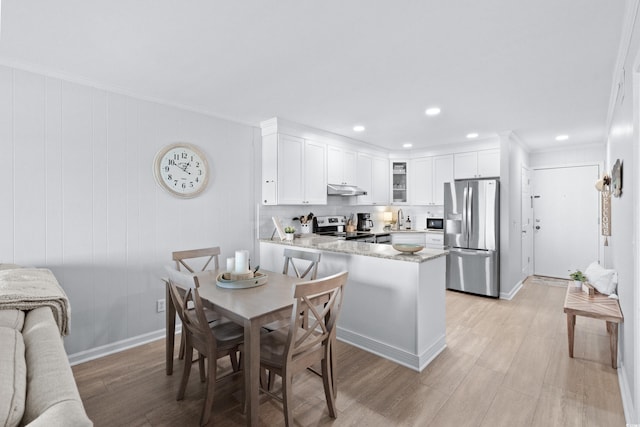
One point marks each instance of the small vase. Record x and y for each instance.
(288, 236)
(577, 283)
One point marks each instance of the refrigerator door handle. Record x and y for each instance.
(465, 206)
(470, 213)
(464, 251)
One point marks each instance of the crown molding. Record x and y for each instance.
(84, 81)
(617, 84)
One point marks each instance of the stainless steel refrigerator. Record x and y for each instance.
(471, 233)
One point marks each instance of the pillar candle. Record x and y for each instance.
(242, 262)
(231, 263)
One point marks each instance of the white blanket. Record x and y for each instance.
(29, 288)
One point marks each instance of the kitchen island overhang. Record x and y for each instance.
(394, 303)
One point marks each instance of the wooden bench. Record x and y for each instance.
(598, 306)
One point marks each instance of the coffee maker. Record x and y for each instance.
(364, 222)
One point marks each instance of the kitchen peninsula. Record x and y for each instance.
(394, 303)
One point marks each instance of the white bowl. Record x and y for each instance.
(407, 248)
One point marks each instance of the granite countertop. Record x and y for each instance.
(332, 244)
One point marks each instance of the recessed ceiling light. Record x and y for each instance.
(562, 137)
(433, 111)
(407, 145)
(358, 128)
(472, 135)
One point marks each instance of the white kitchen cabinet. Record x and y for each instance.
(422, 181)
(373, 177)
(399, 182)
(428, 177)
(315, 173)
(270, 169)
(442, 172)
(380, 181)
(488, 163)
(341, 166)
(293, 171)
(434, 240)
(477, 164)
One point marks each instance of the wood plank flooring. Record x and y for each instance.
(506, 364)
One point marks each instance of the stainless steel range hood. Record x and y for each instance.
(344, 190)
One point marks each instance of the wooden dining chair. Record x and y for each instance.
(285, 352)
(290, 255)
(207, 254)
(211, 341)
(187, 260)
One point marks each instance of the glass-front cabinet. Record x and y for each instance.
(399, 182)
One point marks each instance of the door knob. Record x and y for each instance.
(537, 227)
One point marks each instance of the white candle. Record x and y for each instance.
(242, 262)
(231, 262)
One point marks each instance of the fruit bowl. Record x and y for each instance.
(407, 248)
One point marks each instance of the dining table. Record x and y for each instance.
(250, 307)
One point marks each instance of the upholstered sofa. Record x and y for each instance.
(37, 387)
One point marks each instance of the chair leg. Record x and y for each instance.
(186, 371)
(181, 351)
(210, 390)
(234, 360)
(287, 394)
(327, 382)
(203, 373)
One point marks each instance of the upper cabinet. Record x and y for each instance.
(399, 182)
(373, 177)
(477, 164)
(341, 166)
(294, 171)
(422, 181)
(428, 175)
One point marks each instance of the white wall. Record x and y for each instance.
(622, 253)
(512, 157)
(78, 197)
(592, 154)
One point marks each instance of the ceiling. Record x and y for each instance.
(536, 68)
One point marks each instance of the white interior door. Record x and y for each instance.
(526, 216)
(565, 219)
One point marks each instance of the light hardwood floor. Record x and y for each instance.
(506, 364)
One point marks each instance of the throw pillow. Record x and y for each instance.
(604, 280)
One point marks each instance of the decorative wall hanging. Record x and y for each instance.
(603, 186)
(616, 178)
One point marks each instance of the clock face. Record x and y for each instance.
(181, 169)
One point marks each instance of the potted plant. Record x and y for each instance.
(289, 232)
(578, 278)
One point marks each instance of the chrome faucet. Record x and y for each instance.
(400, 219)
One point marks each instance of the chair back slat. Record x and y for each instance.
(309, 335)
(181, 257)
(193, 319)
(180, 278)
(313, 258)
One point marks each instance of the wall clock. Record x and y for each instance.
(181, 169)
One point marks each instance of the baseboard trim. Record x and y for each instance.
(118, 346)
(514, 291)
(402, 357)
(627, 399)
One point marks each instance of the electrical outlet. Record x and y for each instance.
(160, 305)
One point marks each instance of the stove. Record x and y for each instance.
(334, 225)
